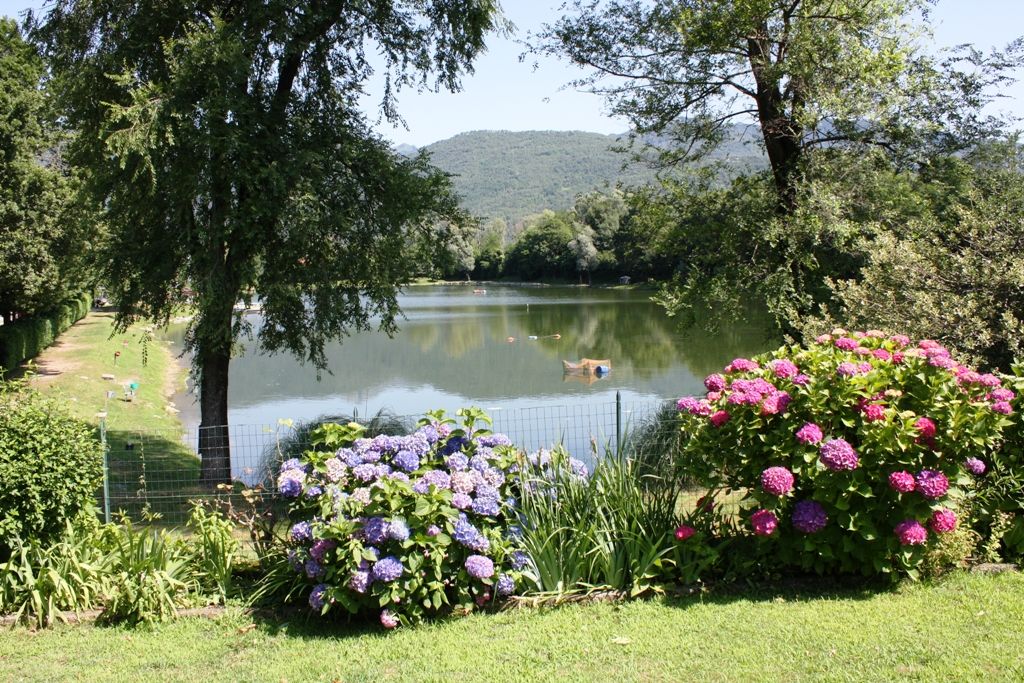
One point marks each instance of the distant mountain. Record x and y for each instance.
(514, 174)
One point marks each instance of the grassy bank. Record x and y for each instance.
(145, 438)
(74, 366)
(965, 628)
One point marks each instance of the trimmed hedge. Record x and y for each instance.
(26, 338)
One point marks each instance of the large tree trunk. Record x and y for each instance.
(214, 448)
(782, 134)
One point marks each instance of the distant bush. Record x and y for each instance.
(50, 465)
(26, 338)
(853, 454)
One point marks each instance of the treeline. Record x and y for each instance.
(604, 236)
(46, 236)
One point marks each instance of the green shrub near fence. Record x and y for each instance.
(26, 338)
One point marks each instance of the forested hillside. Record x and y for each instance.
(510, 175)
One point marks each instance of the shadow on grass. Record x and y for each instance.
(297, 621)
(159, 472)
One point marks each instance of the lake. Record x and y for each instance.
(457, 348)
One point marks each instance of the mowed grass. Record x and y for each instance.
(967, 627)
(85, 352)
(148, 459)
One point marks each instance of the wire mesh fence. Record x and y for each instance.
(162, 471)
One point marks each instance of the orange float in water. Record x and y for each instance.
(510, 340)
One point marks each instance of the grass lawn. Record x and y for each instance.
(967, 627)
(145, 439)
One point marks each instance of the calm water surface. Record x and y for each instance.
(453, 350)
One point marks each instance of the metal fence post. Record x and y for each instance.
(618, 423)
(106, 471)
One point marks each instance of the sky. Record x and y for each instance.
(505, 93)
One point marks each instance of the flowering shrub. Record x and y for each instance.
(850, 454)
(407, 526)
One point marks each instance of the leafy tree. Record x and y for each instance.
(42, 249)
(808, 73)
(953, 275)
(603, 214)
(459, 258)
(542, 249)
(225, 144)
(490, 249)
(583, 251)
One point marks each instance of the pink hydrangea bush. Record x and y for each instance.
(851, 454)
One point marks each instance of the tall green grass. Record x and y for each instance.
(612, 530)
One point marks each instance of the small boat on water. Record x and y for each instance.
(587, 365)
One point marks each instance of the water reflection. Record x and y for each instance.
(452, 350)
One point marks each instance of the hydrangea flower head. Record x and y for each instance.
(506, 585)
(494, 440)
(809, 517)
(398, 530)
(433, 530)
(387, 569)
(462, 482)
(784, 368)
(388, 619)
(846, 343)
(838, 454)
(764, 522)
(942, 521)
(882, 354)
(320, 548)
(1001, 395)
(902, 482)
(925, 427)
(359, 582)
(910, 532)
(874, 412)
(775, 404)
(777, 481)
(931, 484)
(974, 466)
(715, 382)
(289, 483)
(479, 566)
(462, 501)
(294, 464)
(375, 530)
(317, 597)
(847, 369)
(335, 469)
(719, 418)
(1002, 407)
(801, 380)
(313, 569)
(810, 433)
(741, 365)
(301, 531)
(407, 461)
(520, 560)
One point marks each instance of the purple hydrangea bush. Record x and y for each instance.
(850, 454)
(405, 527)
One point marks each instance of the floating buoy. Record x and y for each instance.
(556, 336)
(533, 337)
(602, 370)
(510, 340)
